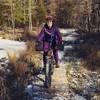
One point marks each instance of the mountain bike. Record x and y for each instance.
(49, 67)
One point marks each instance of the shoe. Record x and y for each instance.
(57, 66)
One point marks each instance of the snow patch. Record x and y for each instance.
(11, 46)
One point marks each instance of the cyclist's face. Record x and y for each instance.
(49, 23)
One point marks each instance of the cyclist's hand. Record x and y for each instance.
(60, 45)
(39, 46)
(36, 45)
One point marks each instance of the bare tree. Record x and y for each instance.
(12, 15)
(30, 15)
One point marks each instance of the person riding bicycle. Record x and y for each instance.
(44, 36)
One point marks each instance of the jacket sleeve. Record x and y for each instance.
(58, 34)
(41, 35)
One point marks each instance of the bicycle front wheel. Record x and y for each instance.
(47, 83)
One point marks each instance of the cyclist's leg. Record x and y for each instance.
(55, 54)
(46, 48)
(44, 58)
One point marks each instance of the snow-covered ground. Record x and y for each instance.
(67, 31)
(10, 46)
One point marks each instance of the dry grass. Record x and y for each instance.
(91, 56)
(12, 58)
(3, 90)
(31, 35)
(31, 55)
(20, 34)
(79, 79)
(18, 68)
(30, 46)
(31, 58)
(21, 66)
(11, 36)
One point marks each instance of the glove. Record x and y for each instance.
(60, 46)
(39, 46)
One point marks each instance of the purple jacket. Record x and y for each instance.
(45, 34)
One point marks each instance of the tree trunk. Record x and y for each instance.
(30, 16)
(12, 16)
(24, 13)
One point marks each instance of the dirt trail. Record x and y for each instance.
(59, 76)
(59, 89)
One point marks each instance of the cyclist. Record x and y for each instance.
(44, 36)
